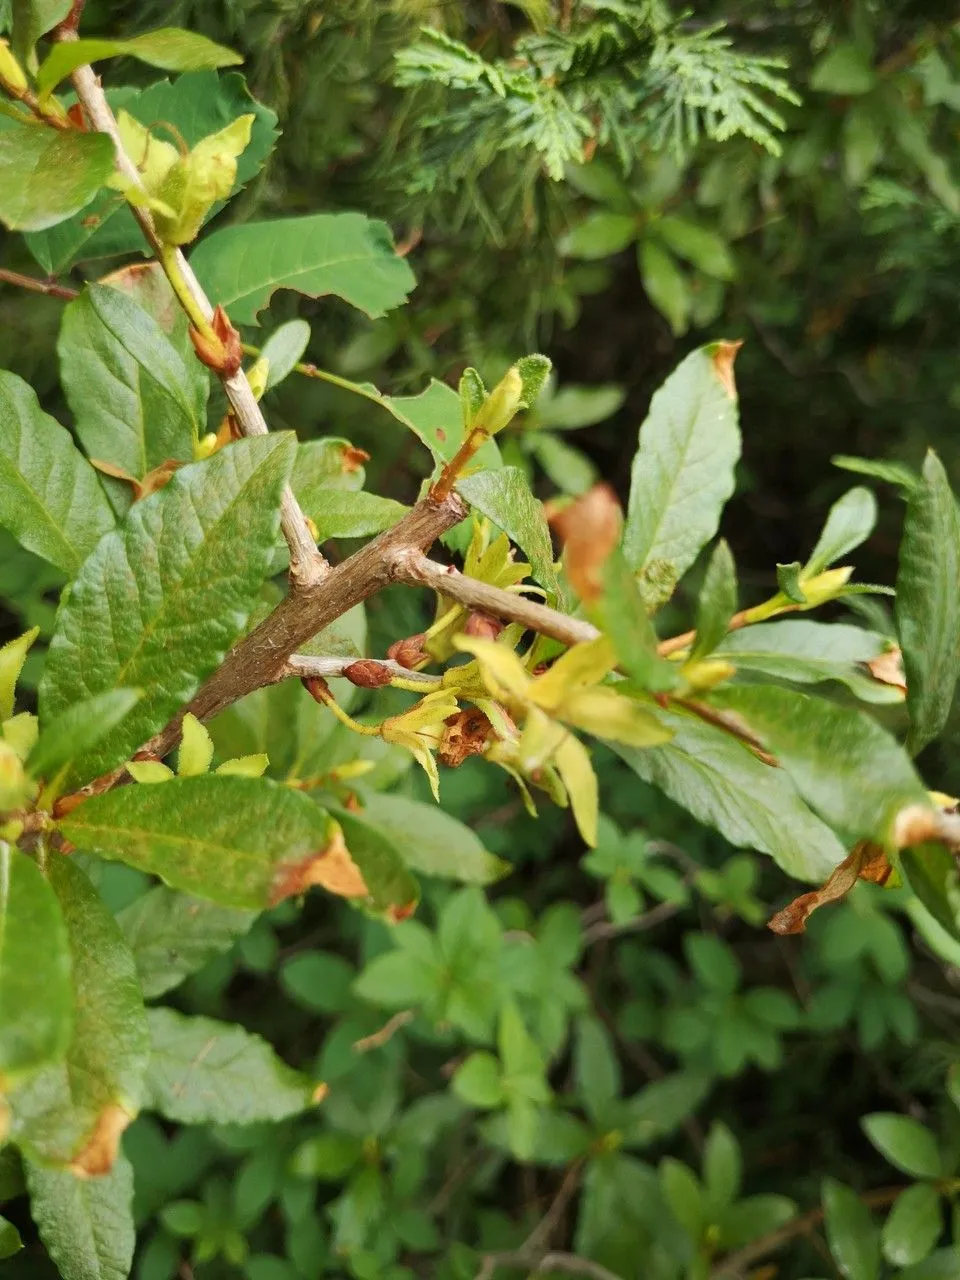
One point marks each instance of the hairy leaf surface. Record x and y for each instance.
(207, 1072)
(48, 174)
(86, 1224)
(165, 596)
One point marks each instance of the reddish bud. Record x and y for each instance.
(317, 688)
(367, 674)
(409, 652)
(76, 117)
(221, 351)
(483, 626)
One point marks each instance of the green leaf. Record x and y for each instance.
(346, 254)
(851, 1233)
(905, 1142)
(328, 1157)
(806, 652)
(169, 48)
(665, 284)
(597, 1071)
(788, 581)
(754, 1217)
(168, 593)
(207, 1072)
(33, 19)
(477, 1081)
(933, 875)
(600, 235)
(662, 1106)
(504, 496)
(338, 513)
(717, 602)
(196, 105)
(36, 996)
(722, 1170)
(851, 521)
(683, 470)
(681, 1191)
(235, 841)
(566, 467)
(435, 418)
(431, 841)
(173, 935)
(573, 407)
(847, 768)
(284, 349)
(724, 785)
(135, 401)
(12, 657)
(73, 1112)
(10, 1242)
(895, 473)
(928, 602)
(913, 1226)
(47, 175)
(702, 248)
(50, 497)
(79, 728)
(844, 69)
(86, 1224)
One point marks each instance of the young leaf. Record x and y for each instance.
(431, 842)
(196, 748)
(169, 48)
(665, 284)
(504, 496)
(196, 105)
(207, 1072)
(597, 1071)
(847, 768)
(662, 1106)
(724, 785)
(896, 473)
(86, 1224)
(12, 657)
(10, 1242)
(36, 996)
(928, 602)
(851, 1233)
(284, 349)
(49, 174)
(79, 728)
(346, 254)
(700, 246)
(683, 470)
(173, 935)
(168, 593)
(717, 603)
(913, 1226)
(905, 1142)
(73, 1112)
(50, 497)
(240, 842)
(722, 1170)
(477, 1081)
(851, 521)
(136, 402)
(600, 235)
(435, 417)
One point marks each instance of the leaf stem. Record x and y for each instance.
(307, 565)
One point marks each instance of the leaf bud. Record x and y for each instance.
(367, 674)
(482, 625)
(502, 404)
(409, 652)
(12, 76)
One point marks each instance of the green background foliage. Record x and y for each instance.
(592, 1055)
